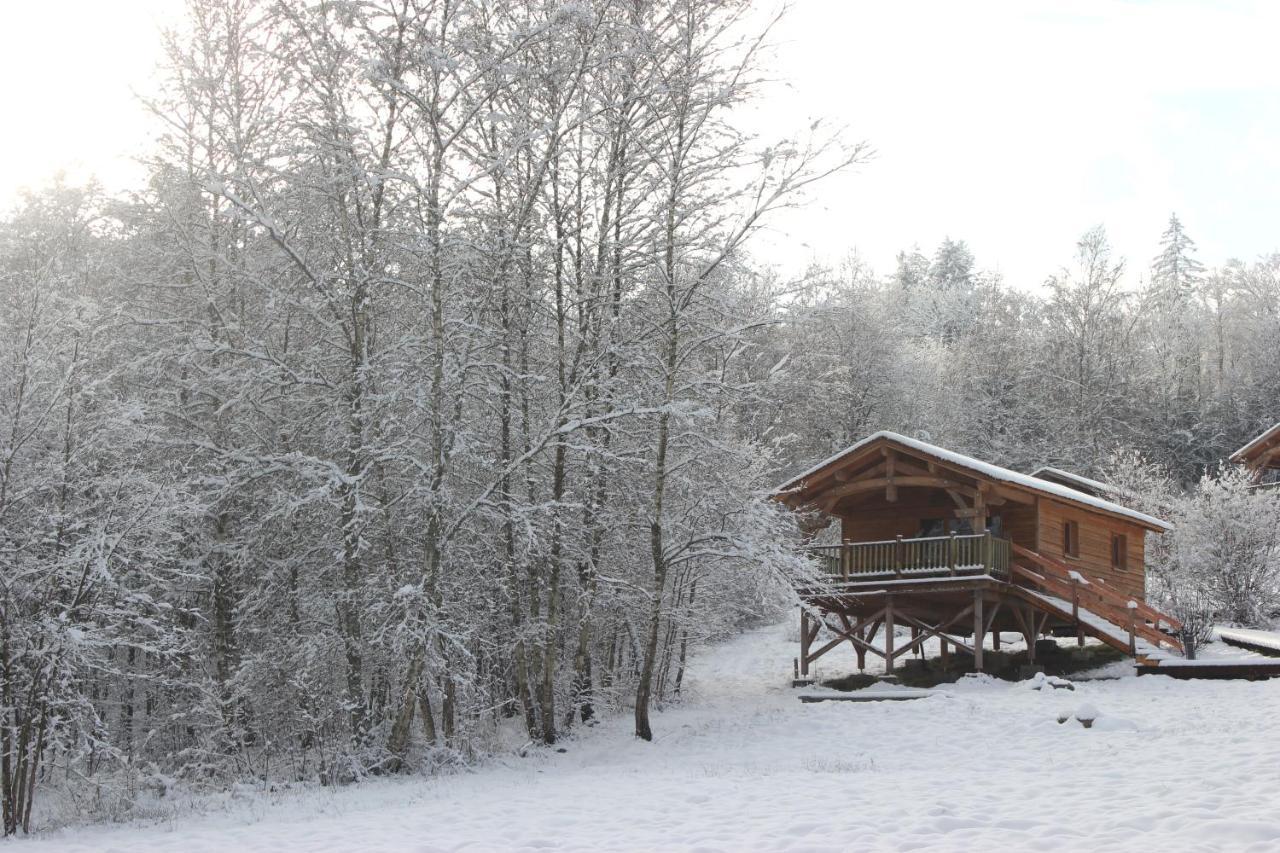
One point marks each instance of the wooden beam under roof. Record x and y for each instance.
(885, 482)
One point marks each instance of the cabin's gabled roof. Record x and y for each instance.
(1259, 446)
(978, 468)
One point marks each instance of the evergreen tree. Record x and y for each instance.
(1175, 272)
(952, 267)
(1173, 318)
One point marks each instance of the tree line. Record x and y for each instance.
(399, 410)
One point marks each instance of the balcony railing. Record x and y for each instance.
(929, 557)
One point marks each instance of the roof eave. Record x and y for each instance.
(1242, 455)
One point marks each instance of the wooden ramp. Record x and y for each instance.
(1093, 625)
(1131, 626)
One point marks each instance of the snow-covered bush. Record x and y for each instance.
(1223, 555)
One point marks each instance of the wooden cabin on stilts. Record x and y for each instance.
(962, 551)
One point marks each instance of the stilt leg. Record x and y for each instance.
(804, 643)
(888, 636)
(978, 627)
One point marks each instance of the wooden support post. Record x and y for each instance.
(804, 643)
(978, 626)
(1029, 619)
(951, 552)
(862, 652)
(899, 556)
(995, 641)
(888, 634)
(1133, 629)
(946, 655)
(1075, 609)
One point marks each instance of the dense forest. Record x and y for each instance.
(426, 399)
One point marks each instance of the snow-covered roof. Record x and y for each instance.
(1048, 472)
(983, 469)
(1245, 452)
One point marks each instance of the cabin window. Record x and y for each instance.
(1071, 538)
(1119, 551)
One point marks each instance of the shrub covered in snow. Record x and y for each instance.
(1222, 561)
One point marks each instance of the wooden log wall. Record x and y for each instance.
(1095, 546)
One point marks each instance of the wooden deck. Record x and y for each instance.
(960, 589)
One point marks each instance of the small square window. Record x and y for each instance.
(1071, 539)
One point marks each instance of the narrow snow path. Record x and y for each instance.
(743, 765)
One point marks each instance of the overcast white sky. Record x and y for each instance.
(1014, 125)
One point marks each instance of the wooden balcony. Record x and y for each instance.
(934, 557)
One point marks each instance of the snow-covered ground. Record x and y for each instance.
(743, 765)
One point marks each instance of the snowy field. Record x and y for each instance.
(743, 765)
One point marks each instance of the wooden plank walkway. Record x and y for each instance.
(1248, 669)
(1266, 642)
(866, 695)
